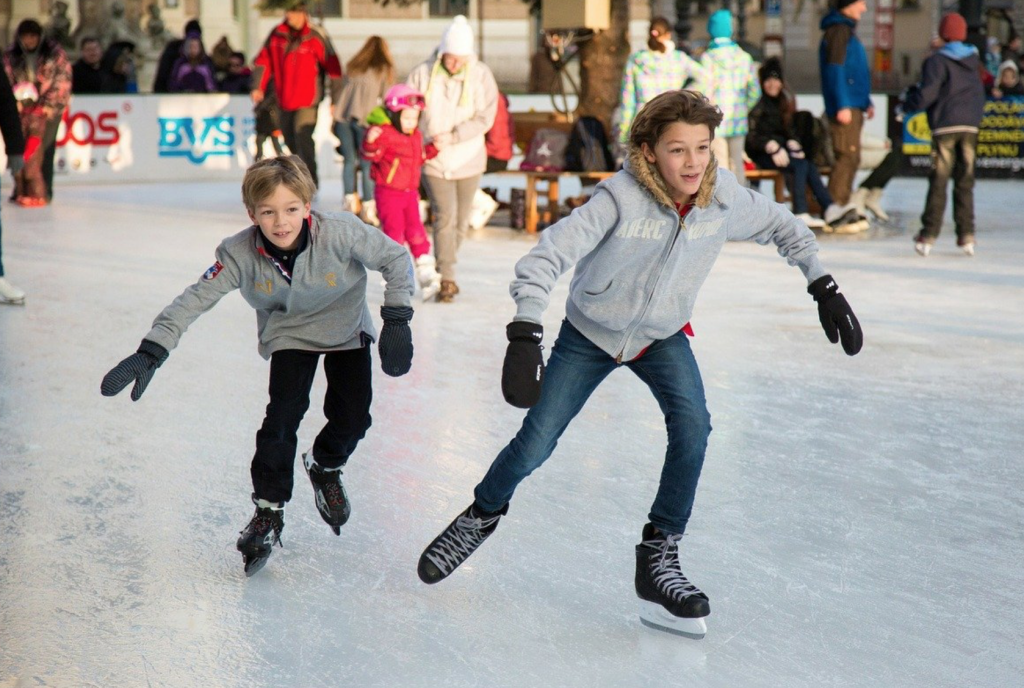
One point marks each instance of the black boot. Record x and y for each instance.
(454, 545)
(259, 537)
(331, 498)
(660, 584)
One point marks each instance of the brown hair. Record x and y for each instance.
(683, 105)
(263, 177)
(659, 27)
(374, 55)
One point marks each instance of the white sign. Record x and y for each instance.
(165, 138)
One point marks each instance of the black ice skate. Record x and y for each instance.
(845, 220)
(668, 601)
(457, 542)
(259, 537)
(331, 499)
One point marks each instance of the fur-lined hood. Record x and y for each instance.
(646, 173)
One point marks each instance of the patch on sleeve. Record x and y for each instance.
(213, 271)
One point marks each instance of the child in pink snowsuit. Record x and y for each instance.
(394, 146)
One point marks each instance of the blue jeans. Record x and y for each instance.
(574, 371)
(351, 136)
(804, 173)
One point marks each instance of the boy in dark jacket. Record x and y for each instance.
(304, 273)
(954, 97)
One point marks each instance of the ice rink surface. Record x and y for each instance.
(858, 523)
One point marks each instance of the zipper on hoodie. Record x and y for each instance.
(657, 279)
(391, 174)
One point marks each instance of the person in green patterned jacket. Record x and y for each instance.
(651, 72)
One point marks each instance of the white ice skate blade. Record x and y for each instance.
(657, 617)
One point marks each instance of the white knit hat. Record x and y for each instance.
(458, 38)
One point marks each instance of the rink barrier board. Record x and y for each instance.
(176, 138)
(1000, 152)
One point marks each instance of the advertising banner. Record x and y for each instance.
(165, 138)
(1000, 140)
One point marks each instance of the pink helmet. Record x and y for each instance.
(399, 97)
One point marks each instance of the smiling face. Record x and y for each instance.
(772, 87)
(681, 155)
(280, 217)
(408, 120)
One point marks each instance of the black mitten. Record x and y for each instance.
(395, 345)
(835, 314)
(522, 374)
(139, 367)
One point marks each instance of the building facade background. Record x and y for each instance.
(507, 34)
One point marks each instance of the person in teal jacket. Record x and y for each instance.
(846, 87)
(733, 86)
(642, 246)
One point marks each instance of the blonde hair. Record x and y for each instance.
(263, 177)
(691, 107)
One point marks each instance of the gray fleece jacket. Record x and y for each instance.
(323, 308)
(639, 266)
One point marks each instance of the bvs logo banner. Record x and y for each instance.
(196, 139)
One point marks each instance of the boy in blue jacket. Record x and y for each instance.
(846, 88)
(952, 93)
(304, 273)
(642, 246)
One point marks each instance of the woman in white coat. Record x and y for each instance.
(461, 101)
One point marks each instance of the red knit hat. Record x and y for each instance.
(953, 27)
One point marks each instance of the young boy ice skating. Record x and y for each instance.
(395, 148)
(305, 274)
(642, 247)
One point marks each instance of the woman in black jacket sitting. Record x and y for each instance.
(772, 143)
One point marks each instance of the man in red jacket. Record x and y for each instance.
(295, 56)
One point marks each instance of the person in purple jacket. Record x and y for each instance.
(642, 246)
(193, 71)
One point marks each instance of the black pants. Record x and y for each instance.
(952, 157)
(49, 152)
(887, 169)
(297, 127)
(346, 405)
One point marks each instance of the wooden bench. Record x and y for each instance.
(552, 212)
(777, 178)
(527, 123)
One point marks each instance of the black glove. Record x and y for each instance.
(139, 367)
(835, 315)
(395, 345)
(522, 374)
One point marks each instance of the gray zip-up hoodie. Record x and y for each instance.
(639, 265)
(323, 308)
